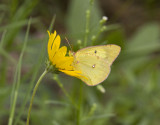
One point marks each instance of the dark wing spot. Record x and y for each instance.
(95, 51)
(94, 66)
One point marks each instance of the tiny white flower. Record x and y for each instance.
(105, 18)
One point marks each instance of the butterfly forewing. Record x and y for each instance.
(107, 52)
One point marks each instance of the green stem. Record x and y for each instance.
(80, 104)
(87, 27)
(33, 94)
(96, 37)
(64, 91)
(13, 108)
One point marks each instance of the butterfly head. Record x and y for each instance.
(71, 53)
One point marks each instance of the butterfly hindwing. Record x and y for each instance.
(95, 69)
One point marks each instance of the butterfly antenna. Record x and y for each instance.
(69, 44)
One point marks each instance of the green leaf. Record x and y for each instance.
(145, 40)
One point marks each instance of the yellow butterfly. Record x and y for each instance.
(90, 64)
(95, 62)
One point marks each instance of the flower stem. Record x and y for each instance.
(33, 94)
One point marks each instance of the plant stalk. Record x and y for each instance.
(33, 94)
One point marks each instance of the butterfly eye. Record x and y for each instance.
(94, 66)
(95, 51)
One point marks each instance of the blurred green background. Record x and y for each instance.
(132, 94)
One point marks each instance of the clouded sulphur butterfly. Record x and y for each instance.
(95, 62)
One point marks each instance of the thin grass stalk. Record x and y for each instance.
(13, 106)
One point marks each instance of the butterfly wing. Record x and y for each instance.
(106, 52)
(94, 62)
(94, 69)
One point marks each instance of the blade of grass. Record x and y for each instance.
(2, 39)
(4, 64)
(22, 13)
(52, 23)
(56, 102)
(37, 67)
(13, 106)
(14, 86)
(6, 55)
(16, 24)
(3, 52)
(13, 6)
(24, 10)
(98, 117)
(34, 76)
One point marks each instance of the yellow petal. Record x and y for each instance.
(59, 55)
(51, 51)
(65, 63)
(72, 73)
(56, 43)
(75, 74)
(62, 51)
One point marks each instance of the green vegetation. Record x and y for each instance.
(132, 90)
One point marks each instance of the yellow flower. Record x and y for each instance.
(58, 58)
